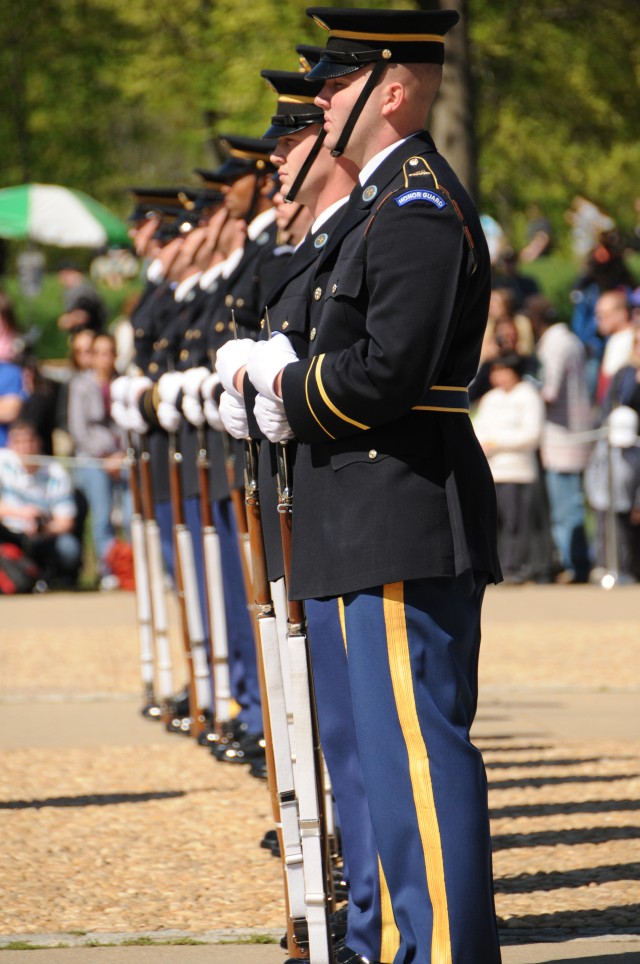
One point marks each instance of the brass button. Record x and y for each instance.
(317, 294)
(231, 326)
(240, 302)
(153, 367)
(196, 334)
(164, 342)
(285, 325)
(262, 322)
(312, 334)
(334, 288)
(156, 346)
(139, 332)
(219, 326)
(188, 334)
(184, 354)
(372, 453)
(228, 301)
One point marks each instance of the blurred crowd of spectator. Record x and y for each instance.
(556, 408)
(61, 408)
(546, 397)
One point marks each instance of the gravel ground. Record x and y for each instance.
(156, 835)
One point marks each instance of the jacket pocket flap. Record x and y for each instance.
(346, 280)
(290, 314)
(341, 459)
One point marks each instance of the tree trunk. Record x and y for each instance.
(452, 116)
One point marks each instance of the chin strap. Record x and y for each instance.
(257, 184)
(304, 170)
(356, 110)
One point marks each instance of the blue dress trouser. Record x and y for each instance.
(397, 693)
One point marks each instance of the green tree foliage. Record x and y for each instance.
(101, 94)
(558, 113)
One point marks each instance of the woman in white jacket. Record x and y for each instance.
(509, 425)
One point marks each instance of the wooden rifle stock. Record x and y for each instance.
(266, 615)
(180, 530)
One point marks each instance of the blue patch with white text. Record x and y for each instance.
(421, 195)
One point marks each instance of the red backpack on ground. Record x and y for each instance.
(18, 573)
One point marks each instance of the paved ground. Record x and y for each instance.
(113, 829)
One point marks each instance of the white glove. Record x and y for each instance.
(212, 415)
(137, 385)
(119, 390)
(169, 386)
(271, 418)
(192, 410)
(233, 356)
(209, 385)
(267, 361)
(169, 416)
(136, 422)
(120, 414)
(233, 415)
(192, 380)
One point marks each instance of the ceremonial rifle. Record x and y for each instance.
(275, 722)
(309, 771)
(157, 588)
(188, 599)
(143, 586)
(274, 711)
(219, 648)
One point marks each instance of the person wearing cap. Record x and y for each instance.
(394, 511)
(247, 186)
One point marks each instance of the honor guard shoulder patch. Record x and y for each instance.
(321, 240)
(421, 194)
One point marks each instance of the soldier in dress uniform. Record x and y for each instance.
(246, 175)
(178, 367)
(394, 512)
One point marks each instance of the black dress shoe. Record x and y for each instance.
(345, 955)
(337, 923)
(270, 838)
(180, 703)
(233, 733)
(246, 750)
(258, 769)
(151, 711)
(179, 724)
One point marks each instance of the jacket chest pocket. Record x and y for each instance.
(290, 314)
(346, 280)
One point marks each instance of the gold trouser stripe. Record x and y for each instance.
(419, 768)
(343, 625)
(389, 38)
(329, 403)
(438, 408)
(306, 392)
(390, 939)
(448, 388)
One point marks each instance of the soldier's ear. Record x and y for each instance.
(394, 97)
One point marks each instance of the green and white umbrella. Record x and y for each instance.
(49, 214)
